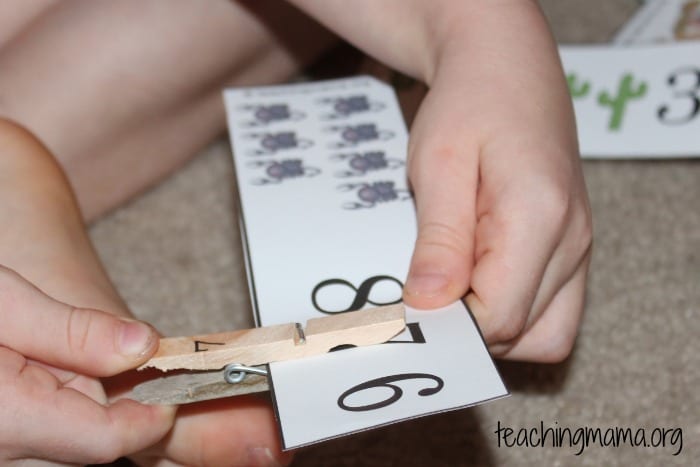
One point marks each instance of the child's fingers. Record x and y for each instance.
(234, 431)
(552, 336)
(444, 184)
(88, 341)
(517, 236)
(66, 426)
(100, 434)
(533, 238)
(572, 254)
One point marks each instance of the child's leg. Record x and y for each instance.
(124, 92)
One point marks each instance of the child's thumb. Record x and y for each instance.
(444, 252)
(87, 341)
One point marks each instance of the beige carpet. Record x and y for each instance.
(175, 256)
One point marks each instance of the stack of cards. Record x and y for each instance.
(329, 226)
(642, 98)
(661, 21)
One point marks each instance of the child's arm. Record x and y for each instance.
(493, 160)
(54, 407)
(51, 353)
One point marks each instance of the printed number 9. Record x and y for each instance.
(385, 382)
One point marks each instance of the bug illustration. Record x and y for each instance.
(361, 163)
(372, 193)
(345, 106)
(353, 135)
(277, 171)
(265, 114)
(270, 143)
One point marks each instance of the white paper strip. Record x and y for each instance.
(330, 226)
(636, 101)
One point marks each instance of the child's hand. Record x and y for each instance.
(53, 407)
(235, 431)
(494, 163)
(501, 202)
(502, 209)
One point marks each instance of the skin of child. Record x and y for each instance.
(493, 161)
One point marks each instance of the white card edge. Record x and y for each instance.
(398, 420)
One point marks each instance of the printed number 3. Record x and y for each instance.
(692, 93)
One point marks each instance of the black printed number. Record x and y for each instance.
(385, 382)
(416, 332)
(203, 346)
(361, 293)
(690, 94)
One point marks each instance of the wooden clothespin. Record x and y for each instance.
(244, 354)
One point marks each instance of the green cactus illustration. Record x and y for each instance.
(618, 104)
(576, 90)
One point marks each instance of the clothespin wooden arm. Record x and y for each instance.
(276, 343)
(239, 353)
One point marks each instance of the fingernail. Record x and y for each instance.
(135, 338)
(262, 457)
(167, 412)
(426, 285)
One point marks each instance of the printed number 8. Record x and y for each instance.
(361, 293)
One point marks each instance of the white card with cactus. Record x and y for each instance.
(636, 102)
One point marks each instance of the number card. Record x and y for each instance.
(660, 21)
(636, 101)
(328, 224)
